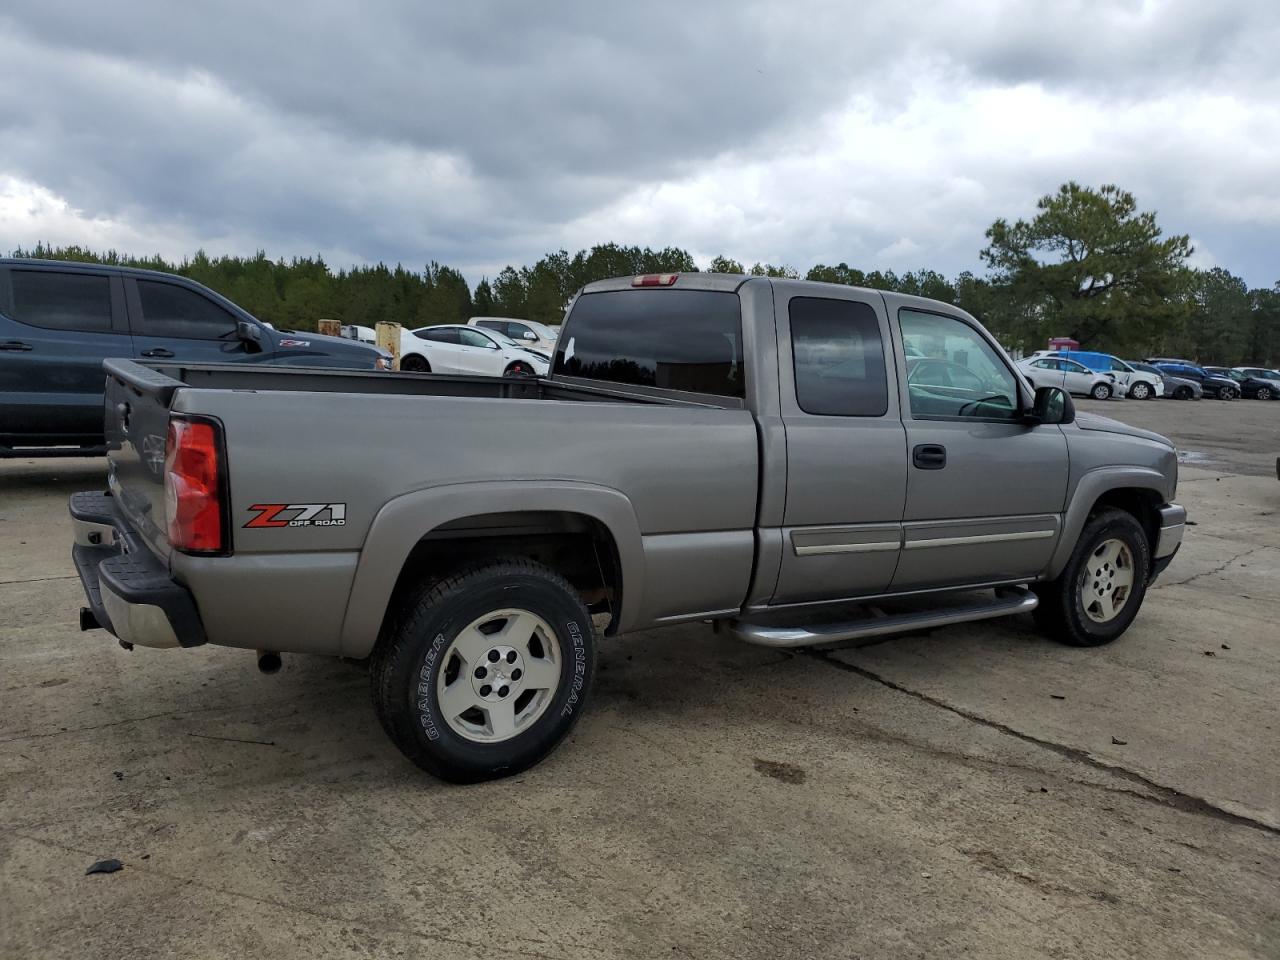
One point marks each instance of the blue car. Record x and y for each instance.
(59, 321)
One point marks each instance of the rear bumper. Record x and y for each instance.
(129, 589)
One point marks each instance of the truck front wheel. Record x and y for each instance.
(1099, 593)
(480, 675)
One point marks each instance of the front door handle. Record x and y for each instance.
(929, 456)
(157, 352)
(15, 345)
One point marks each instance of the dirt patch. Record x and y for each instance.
(786, 772)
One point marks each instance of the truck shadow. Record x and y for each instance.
(70, 474)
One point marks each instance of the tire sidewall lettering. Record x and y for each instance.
(579, 651)
(425, 692)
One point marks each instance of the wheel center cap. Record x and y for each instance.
(498, 674)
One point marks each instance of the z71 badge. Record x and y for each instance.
(298, 515)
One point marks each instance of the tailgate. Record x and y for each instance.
(137, 423)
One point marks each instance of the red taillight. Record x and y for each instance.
(655, 280)
(192, 491)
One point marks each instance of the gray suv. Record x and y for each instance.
(59, 321)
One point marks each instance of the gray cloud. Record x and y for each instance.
(492, 133)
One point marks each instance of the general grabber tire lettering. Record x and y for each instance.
(481, 673)
(1100, 591)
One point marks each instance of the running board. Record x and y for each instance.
(1007, 602)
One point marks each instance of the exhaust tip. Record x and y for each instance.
(268, 661)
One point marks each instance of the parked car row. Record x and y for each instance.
(1102, 376)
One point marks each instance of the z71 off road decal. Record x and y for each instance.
(298, 515)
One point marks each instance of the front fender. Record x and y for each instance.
(1091, 486)
(402, 522)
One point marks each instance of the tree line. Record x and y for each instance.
(1089, 265)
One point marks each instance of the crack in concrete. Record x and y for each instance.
(39, 579)
(1208, 573)
(1160, 793)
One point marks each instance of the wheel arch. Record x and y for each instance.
(1139, 491)
(427, 530)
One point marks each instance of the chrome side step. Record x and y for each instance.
(1007, 602)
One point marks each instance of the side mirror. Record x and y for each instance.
(528, 335)
(249, 333)
(1052, 405)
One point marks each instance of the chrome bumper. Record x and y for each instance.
(1173, 521)
(129, 590)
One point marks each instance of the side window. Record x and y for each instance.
(1047, 364)
(62, 301)
(169, 310)
(492, 325)
(838, 358)
(469, 338)
(963, 377)
(516, 331)
(438, 334)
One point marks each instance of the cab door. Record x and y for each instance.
(1078, 378)
(480, 353)
(1046, 372)
(846, 448)
(173, 321)
(57, 325)
(985, 491)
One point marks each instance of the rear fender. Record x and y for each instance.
(404, 521)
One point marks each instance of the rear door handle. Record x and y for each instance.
(15, 345)
(929, 456)
(157, 352)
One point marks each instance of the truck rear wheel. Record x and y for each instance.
(1098, 594)
(480, 675)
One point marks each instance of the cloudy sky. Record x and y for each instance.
(886, 134)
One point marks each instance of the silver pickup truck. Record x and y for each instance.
(798, 463)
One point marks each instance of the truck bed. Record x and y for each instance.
(683, 475)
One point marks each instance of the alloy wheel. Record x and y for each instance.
(500, 674)
(1107, 581)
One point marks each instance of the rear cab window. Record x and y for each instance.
(670, 339)
(838, 358)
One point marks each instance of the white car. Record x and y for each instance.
(1069, 375)
(454, 348)
(525, 332)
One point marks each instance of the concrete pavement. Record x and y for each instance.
(960, 793)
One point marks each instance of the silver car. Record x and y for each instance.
(1177, 388)
(1070, 376)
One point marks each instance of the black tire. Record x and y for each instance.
(1141, 390)
(415, 364)
(415, 646)
(1226, 393)
(1183, 393)
(1100, 391)
(1264, 393)
(518, 369)
(1061, 613)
